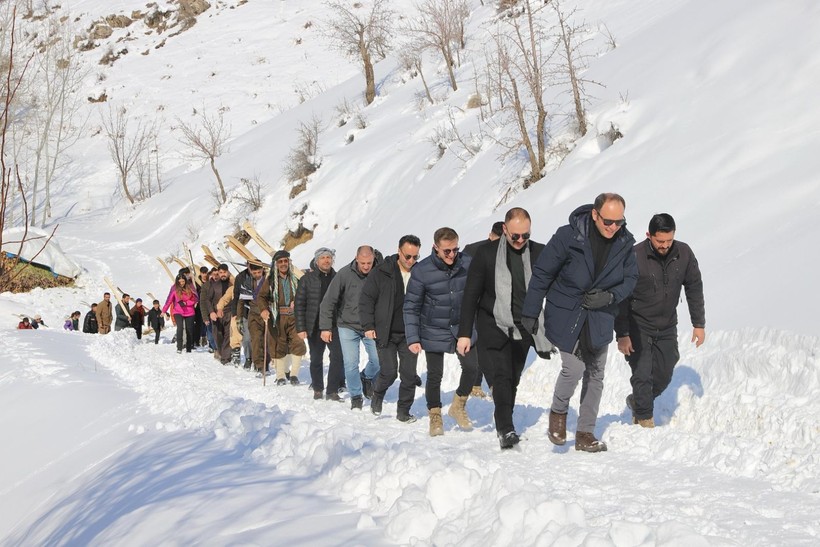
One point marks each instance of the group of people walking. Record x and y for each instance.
(487, 305)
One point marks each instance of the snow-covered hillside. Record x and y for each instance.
(111, 442)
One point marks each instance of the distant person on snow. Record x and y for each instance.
(105, 314)
(90, 320)
(182, 299)
(123, 320)
(73, 322)
(155, 320)
(646, 326)
(37, 322)
(25, 324)
(138, 317)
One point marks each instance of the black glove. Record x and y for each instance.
(596, 299)
(546, 354)
(530, 324)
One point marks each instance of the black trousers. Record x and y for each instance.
(336, 369)
(482, 367)
(222, 335)
(507, 363)
(435, 370)
(653, 361)
(186, 324)
(397, 361)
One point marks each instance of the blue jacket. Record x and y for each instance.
(432, 304)
(564, 272)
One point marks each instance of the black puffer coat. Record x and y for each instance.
(309, 297)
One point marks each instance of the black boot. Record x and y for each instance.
(508, 440)
(356, 402)
(376, 403)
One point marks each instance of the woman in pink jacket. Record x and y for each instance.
(183, 298)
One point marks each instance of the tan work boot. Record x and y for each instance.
(558, 428)
(281, 367)
(436, 425)
(478, 392)
(649, 422)
(458, 411)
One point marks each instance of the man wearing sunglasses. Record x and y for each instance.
(646, 326)
(432, 311)
(493, 298)
(587, 268)
(380, 310)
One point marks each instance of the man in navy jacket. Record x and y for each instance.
(586, 269)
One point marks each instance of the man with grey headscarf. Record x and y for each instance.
(493, 298)
(312, 288)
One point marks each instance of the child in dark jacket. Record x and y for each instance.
(156, 320)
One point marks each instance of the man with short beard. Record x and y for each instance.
(380, 308)
(220, 319)
(646, 326)
(312, 288)
(340, 307)
(104, 314)
(587, 268)
(123, 319)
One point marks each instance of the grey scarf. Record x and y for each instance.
(502, 310)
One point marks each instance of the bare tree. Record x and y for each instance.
(207, 142)
(412, 58)
(361, 36)
(440, 26)
(572, 61)
(303, 159)
(126, 145)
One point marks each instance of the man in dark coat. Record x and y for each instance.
(220, 319)
(380, 309)
(493, 298)
(123, 320)
(432, 311)
(90, 320)
(646, 326)
(312, 288)
(586, 269)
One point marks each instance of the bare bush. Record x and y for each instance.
(250, 194)
(127, 146)
(303, 159)
(207, 141)
(439, 25)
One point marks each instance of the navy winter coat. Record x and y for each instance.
(432, 305)
(564, 272)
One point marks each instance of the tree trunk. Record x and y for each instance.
(448, 59)
(424, 81)
(124, 181)
(535, 172)
(219, 180)
(369, 75)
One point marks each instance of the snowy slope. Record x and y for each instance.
(713, 100)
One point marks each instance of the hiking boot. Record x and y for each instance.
(367, 386)
(333, 397)
(236, 358)
(405, 417)
(436, 425)
(376, 404)
(294, 381)
(588, 443)
(558, 428)
(356, 402)
(648, 423)
(317, 395)
(508, 440)
(458, 412)
(478, 392)
(281, 381)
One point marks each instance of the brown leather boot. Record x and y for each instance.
(558, 428)
(436, 425)
(588, 443)
(458, 411)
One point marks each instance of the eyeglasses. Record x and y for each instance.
(411, 257)
(610, 222)
(515, 237)
(448, 252)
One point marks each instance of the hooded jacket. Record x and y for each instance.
(565, 271)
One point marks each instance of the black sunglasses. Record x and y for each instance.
(609, 222)
(411, 257)
(515, 237)
(448, 252)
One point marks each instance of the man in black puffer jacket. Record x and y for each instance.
(380, 308)
(312, 288)
(432, 312)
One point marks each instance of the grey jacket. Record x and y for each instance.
(340, 306)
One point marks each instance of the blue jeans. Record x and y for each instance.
(209, 334)
(350, 339)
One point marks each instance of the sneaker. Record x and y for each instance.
(333, 397)
(236, 358)
(317, 395)
(587, 442)
(356, 402)
(281, 382)
(405, 417)
(376, 404)
(179, 351)
(294, 381)
(508, 440)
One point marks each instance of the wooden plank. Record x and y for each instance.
(240, 249)
(166, 268)
(116, 293)
(248, 227)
